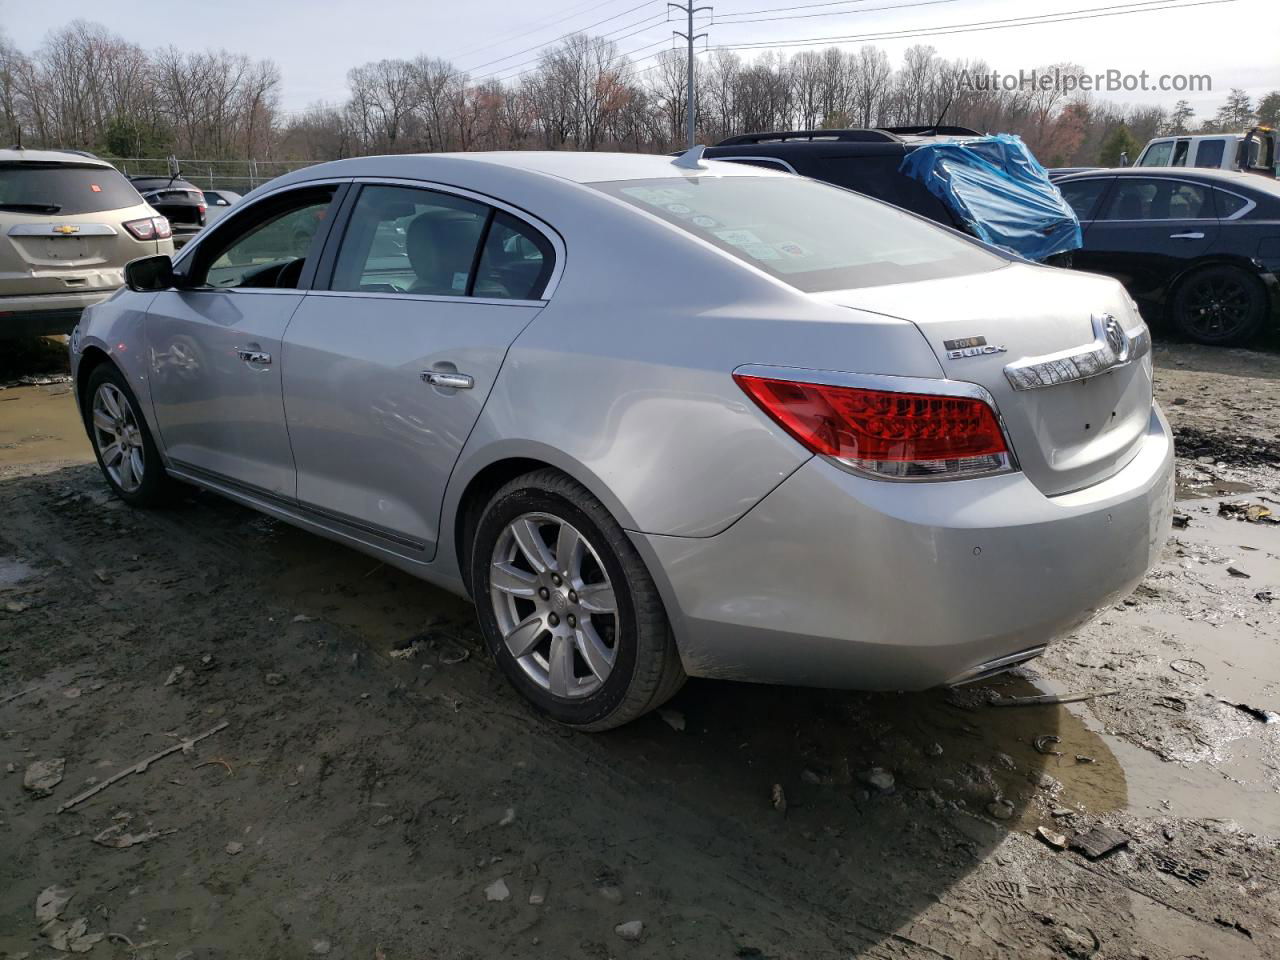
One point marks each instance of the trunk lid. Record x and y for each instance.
(67, 255)
(1071, 426)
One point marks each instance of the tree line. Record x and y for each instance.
(87, 88)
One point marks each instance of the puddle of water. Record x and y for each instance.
(1197, 635)
(41, 425)
(14, 572)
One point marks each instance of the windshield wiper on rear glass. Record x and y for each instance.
(32, 207)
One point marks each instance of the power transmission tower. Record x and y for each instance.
(688, 9)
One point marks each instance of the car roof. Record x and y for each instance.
(574, 166)
(1225, 178)
(52, 156)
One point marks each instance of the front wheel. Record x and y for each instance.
(1220, 306)
(567, 607)
(122, 442)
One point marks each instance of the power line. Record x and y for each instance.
(647, 24)
(547, 43)
(979, 26)
(576, 12)
(830, 13)
(618, 56)
(800, 6)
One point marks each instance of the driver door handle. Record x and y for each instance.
(451, 381)
(1186, 236)
(253, 356)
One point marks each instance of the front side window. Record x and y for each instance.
(64, 189)
(1083, 195)
(810, 235)
(267, 246)
(425, 243)
(1209, 152)
(1157, 154)
(1136, 199)
(1180, 153)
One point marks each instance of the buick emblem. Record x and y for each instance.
(1117, 339)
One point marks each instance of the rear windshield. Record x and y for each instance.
(810, 235)
(69, 189)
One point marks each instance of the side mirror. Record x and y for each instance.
(149, 273)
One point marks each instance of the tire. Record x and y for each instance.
(112, 412)
(1220, 306)
(592, 650)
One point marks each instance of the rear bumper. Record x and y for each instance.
(835, 580)
(45, 314)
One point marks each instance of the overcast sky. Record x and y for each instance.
(315, 42)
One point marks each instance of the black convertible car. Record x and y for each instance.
(1200, 248)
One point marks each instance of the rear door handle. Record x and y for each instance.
(253, 356)
(450, 381)
(1186, 236)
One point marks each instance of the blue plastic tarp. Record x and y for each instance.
(1000, 192)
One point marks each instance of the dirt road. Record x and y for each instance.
(378, 791)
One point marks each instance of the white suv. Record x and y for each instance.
(1253, 151)
(69, 222)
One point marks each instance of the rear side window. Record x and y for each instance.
(1209, 152)
(1229, 204)
(64, 189)
(516, 262)
(810, 235)
(1083, 195)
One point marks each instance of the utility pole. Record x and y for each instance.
(689, 10)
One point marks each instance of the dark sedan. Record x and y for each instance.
(1200, 248)
(182, 202)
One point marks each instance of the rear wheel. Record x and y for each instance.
(567, 607)
(1220, 306)
(122, 442)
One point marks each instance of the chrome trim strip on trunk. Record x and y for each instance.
(1112, 347)
(63, 228)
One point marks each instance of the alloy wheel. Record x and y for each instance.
(118, 437)
(555, 605)
(1217, 307)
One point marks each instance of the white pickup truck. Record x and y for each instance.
(1252, 152)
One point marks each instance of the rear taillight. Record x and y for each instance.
(886, 433)
(149, 228)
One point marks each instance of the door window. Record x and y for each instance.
(425, 243)
(405, 240)
(1083, 195)
(1137, 199)
(267, 246)
(1157, 154)
(1180, 154)
(1209, 152)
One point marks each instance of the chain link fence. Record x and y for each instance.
(240, 176)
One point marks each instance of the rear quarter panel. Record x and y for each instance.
(624, 380)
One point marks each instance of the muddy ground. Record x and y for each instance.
(375, 790)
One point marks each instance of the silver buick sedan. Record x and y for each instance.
(659, 418)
